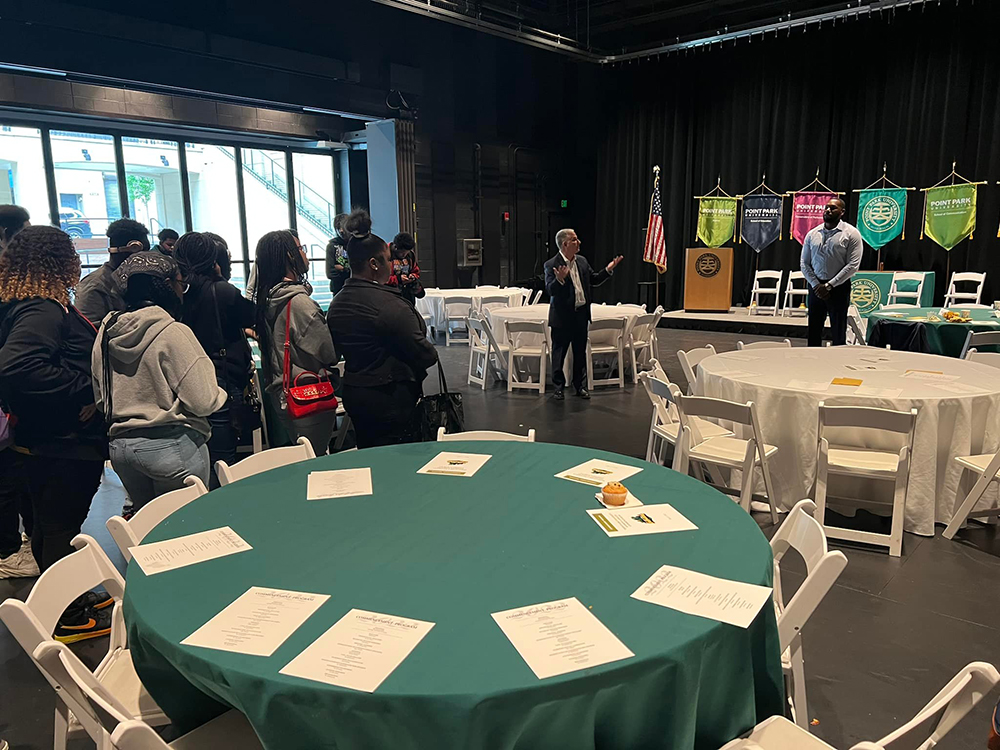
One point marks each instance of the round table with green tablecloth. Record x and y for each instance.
(942, 337)
(453, 550)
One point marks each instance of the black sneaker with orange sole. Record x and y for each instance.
(94, 600)
(93, 623)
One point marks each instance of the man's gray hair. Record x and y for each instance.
(561, 236)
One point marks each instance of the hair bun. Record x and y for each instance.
(359, 223)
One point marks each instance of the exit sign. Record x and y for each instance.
(564, 203)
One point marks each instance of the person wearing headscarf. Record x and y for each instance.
(217, 313)
(154, 382)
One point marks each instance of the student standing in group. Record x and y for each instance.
(12, 220)
(384, 342)
(154, 383)
(45, 380)
(223, 259)
(168, 238)
(337, 270)
(282, 295)
(218, 314)
(97, 294)
(405, 272)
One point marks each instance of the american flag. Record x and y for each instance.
(656, 250)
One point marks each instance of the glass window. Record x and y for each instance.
(315, 209)
(23, 180)
(265, 190)
(153, 184)
(214, 199)
(87, 184)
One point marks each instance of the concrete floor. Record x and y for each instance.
(887, 637)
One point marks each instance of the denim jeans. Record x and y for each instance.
(160, 462)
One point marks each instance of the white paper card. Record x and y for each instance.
(631, 501)
(803, 385)
(558, 637)
(598, 473)
(705, 596)
(960, 388)
(649, 519)
(876, 360)
(257, 622)
(740, 356)
(455, 464)
(170, 554)
(927, 375)
(870, 390)
(870, 368)
(739, 374)
(359, 651)
(324, 485)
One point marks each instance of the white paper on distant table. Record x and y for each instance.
(598, 473)
(359, 651)
(170, 554)
(558, 637)
(631, 501)
(870, 390)
(455, 464)
(324, 485)
(934, 376)
(705, 596)
(738, 374)
(960, 388)
(258, 622)
(803, 385)
(649, 519)
(870, 368)
(741, 356)
(875, 359)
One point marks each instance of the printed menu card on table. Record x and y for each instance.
(455, 464)
(558, 637)
(187, 550)
(324, 485)
(258, 622)
(703, 595)
(598, 473)
(359, 651)
(647, 519)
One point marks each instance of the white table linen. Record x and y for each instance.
(432, 303)
(949, 424)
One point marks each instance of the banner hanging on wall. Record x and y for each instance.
(716, 220)
(807, 212)
(761, 223)
(949, 213)
(881, 215)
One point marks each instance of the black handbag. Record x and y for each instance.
(442, 409)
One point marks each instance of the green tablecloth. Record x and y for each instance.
(942, 337)
(452, 550)
(869, 289)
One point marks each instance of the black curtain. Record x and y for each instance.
(916, 89)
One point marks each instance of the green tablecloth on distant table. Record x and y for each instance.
(942, 337)
(451, 551)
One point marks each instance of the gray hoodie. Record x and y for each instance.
(311, 347)
(161, 377)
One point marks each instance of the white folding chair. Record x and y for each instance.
(536, 297)
(102, 709)
(803, 533)
(34, 620)
(762, 285)
(498, 351)
(442, 436)
(264, 461)
(895, 294)
(986, 465)
(793, 292)
(665, 424)
(987, 358)
(456, 315)
(854, 460)
(641, 343)
(617, 328)
(727, 452)
(427, 324)
(130, 533)
(979, 339)
(923, 732)
(479, 352)
(490, 303)
(690, 359)
(857, 327)
(515, 350)
(953, 297)
(783, 344)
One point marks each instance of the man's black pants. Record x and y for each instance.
(835, 306)
(563, 337)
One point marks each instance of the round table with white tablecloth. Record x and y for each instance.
(432, 303)
(957, 402)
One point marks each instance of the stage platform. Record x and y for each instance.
(739, 320)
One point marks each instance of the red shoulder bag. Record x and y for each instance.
(310, 398)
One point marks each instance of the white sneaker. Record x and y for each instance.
(4, 745)
(21, 564)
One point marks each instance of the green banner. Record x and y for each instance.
(881, 215)
(716, 220)
(950, 214)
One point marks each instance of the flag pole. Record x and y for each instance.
(656, 271)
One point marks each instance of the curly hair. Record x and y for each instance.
(40, 261)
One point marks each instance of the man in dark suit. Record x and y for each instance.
(569, 280)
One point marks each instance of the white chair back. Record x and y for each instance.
(264, 461)
(457, 306)
(442, 436)
(488, 303)
(980, 339)
(644, 328)
(914, 295)
(857, 327)
(513, 327)
(955, 297)
(500, 352)
(987, 358)
(783, 344)
(535, 297)
(769, 283)
(539, 351)
(690, 359)
(130, 533)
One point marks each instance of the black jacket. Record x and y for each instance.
(562, 296)
(236, 312)
(45, 378)
(97, 294)
(381, 336)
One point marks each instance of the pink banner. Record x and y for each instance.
(807, 212)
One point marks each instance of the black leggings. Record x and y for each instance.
(383, 415)
(15, 501)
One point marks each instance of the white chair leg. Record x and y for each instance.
(511, 359)
(541, 371)
(680, 462)
(899, 509)
(650, 443)
(769, 487)
(746, 487)
(635, 365)
(822, 478)
(590, 367)
(621, 367)
(963, 510)
(799, 700)
(61, 726)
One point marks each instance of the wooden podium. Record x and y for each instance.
(708, 279)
